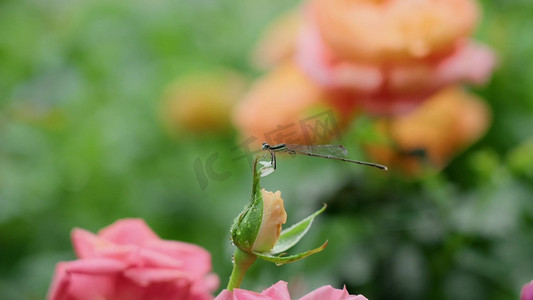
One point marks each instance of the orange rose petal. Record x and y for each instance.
(442, 126)
(393, 30)
(201, 102)
(276, 104)
(278, 41)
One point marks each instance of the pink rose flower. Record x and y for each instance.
(527, 291)
(128, 261)
(279, 291)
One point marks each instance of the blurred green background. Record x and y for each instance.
(82, 144)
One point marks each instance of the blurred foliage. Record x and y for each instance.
(81, 145)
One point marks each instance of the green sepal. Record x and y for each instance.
(281, 260)
(246, 226)
(292, 235)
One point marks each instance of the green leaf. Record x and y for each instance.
(290, 236)
(281, 260)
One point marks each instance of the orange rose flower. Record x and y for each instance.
(278, 41)
(393, 30)
(393, 87)
(285, 106)
(202, 102)
(443, 125)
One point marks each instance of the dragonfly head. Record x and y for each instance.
(265, 146)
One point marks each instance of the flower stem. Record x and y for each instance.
(241, 262)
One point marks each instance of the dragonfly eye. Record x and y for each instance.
(264, 146)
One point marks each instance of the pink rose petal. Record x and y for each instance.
(86, 243)
(128, 232)
(330, 293)
(225, 295)
(155, 259)
(145, 276)
(239, 294)
(473, 63)
(196, 260)
(527, 291)
(95, 266)
(278, 291)
(60, 282)
(84, 280)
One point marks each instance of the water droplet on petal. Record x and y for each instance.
(267, 170)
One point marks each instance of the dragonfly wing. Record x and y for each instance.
(325, 150)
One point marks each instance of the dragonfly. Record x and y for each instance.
(336, 152)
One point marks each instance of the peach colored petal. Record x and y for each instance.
(274, 216)
(128, 232)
